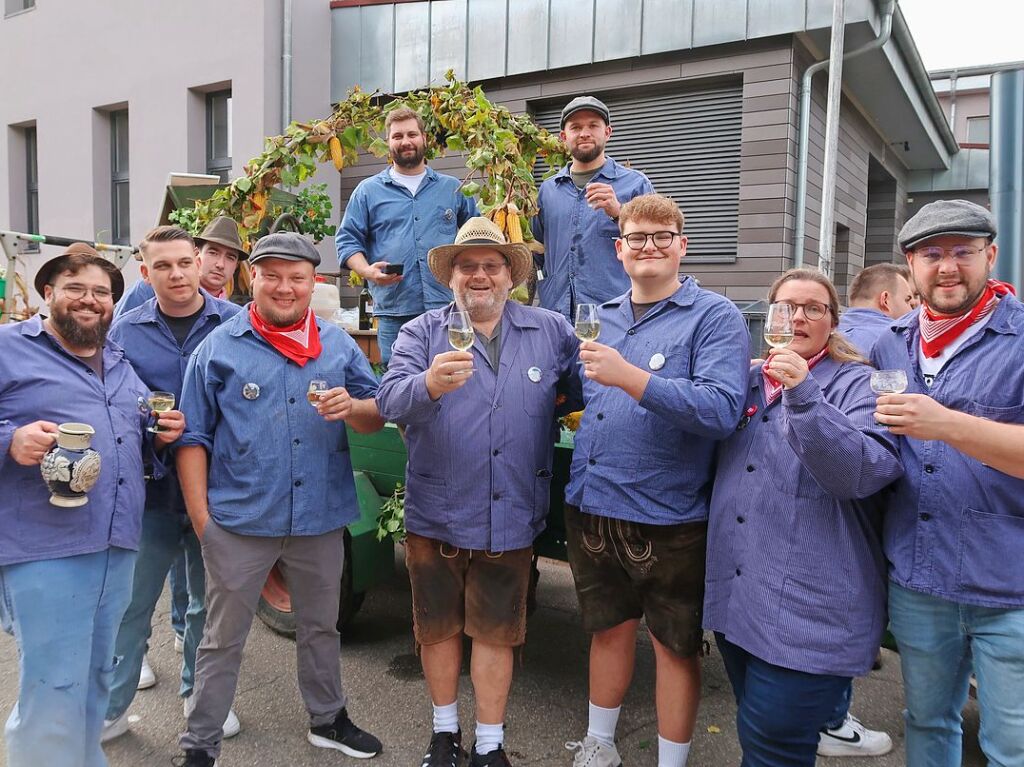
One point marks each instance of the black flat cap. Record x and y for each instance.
(286, 245)
(961, 217)
(588, 103)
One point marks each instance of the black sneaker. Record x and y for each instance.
(445, 750)
(496, 758)
(194, 757)
(344, 736)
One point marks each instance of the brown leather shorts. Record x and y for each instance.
(478, 593)
(627, 570)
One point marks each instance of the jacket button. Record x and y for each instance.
(929, 469)
(741, 520)
(120, 481)
(631, 332)
(119, 440)
(750, 468)
(925, 516)
(291, 400)
(600, 416)
(496, 496)
(296, 441)
(496, 452)
(737, 571)
(298, 483)
(764, 418)
(592, 462)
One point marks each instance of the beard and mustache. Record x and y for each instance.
(409, 161)
(76, 334)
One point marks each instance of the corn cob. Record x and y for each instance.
(336, 157)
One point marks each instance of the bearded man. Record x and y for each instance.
(392, 219)
(66, 573)
(480, 434)
(578, 221)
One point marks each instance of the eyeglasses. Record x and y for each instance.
(812, 311)
(961, 254)
(77, 292)
(490, 268)
(638, 240)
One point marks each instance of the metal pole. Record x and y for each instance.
(828, 172)
(1006, 173)
(286, 66)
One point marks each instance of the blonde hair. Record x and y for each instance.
(655, 208)
(839, 348)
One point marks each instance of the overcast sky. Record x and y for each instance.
(960, 33)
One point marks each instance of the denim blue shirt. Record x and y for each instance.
(138, 293)
(277, 468)
(384, 222)
(479, 470)
(651, 461)
(40, 380)
(154, 353)
(862, 327)
(795, 572)
(579, 260)
(955, 527)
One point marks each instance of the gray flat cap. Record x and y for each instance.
(589, 103)
(287, 245)
(961, 217)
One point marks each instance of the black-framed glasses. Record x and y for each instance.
(961, 254)
(812, 311)
(77, 292)
(638, 240)
(490, 268)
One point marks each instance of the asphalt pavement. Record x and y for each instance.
(548, 703)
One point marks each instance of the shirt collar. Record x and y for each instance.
(150, 310)
(33, 327)
(685, 295)
(610, 170)
(385, 176)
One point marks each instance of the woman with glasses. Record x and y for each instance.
(795, 587)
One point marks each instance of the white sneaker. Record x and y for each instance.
(179, 643)
(146, 676)
(853, 739)
(231, 724)
(114, 728)
(592, 753)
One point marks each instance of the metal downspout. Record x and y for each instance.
(286, 65)
(805, 125)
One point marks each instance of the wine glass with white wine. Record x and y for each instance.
(460, 331)
(778, 325)
(588, 325)
(888, 381)
(159, 402)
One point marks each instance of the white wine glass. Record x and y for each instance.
(588, 325)
(316, 389)
(460, 331)
(888, 381)
(778, 325)
(159, 402)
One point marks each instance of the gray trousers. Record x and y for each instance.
(236, 569)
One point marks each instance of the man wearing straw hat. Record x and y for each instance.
(66, 573)
(220, 250)
(480, 432)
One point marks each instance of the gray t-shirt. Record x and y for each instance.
(582, 179)
(95, 362)
(492, 346)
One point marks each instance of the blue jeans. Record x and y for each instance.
(780, 712)
(165, 535)
(387, 332)
(940, 641)
(838, 716)
(179, 594)
(64, 615)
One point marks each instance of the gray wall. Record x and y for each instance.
(66, 64)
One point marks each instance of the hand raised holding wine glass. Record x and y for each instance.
(450, 370)
(778, 325)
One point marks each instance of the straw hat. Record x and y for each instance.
(480, 232)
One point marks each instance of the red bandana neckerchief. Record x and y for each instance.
(772, 388)
(939, 330)
(299, 342)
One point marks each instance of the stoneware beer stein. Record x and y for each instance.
(71, 467)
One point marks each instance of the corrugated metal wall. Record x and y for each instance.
(687, 141)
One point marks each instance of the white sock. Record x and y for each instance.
(489, 737)
(446, 718)
(672, 754)
(602, 724)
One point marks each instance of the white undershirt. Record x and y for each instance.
(930, 366)
(412, 183)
